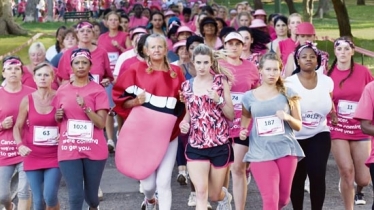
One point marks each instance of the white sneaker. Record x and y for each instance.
(100, 194)
(141, 188)
(209, 206)
(248, 175)
(148, 206)
(307, 185)
(192, 199)
(98, 208)
(225, 204)
(111, 146)
(359, 199)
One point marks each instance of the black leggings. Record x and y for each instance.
(181, 158)
(372, 179)
(316, 149)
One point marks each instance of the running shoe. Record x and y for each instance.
(148, 206)
(141, 188)
(111, 146)
(192, 199)
(182, 178)
(225, 204)
(100, 194)
(13, 207)
(359, 199)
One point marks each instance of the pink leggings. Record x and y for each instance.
(274, 180)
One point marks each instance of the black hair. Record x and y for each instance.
(187, 10)
(225, 30)
(297, 69)
(106, 12)
(137, 5)
(172, 30)
(125, 16)
(271, 16)
(260, 38)
(223, 22)
(205, 21)
(284, 19)
(140, 45)
(57, 44)
(336, 60)
(150, 26)
(208, 9)
(192, 39)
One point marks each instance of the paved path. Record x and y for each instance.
(121, 193)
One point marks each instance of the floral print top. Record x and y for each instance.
(208, 125)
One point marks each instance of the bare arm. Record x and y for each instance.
(98, 118)
(227, 107)
(367, 127)
(21, 119)
(246, 118)
(295, 118)
(289, 68)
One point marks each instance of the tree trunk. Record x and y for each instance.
(31, 11)
(258, 4)
(324, 5)
(308, 10)
(49, 16)
(7, 24)
(360, 2)
(343, 18)
(291, 6)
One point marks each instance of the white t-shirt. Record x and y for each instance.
(121, 59)
(51, 53)
(315, 104)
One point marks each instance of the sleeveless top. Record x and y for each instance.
(187, 75)
(44, 153)
(208, 126)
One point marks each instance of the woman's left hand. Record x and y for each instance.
(80, 100)
(334, 119)
(105, 82)
(213, 95)
(23, 150)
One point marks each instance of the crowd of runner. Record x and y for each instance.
(223, 93)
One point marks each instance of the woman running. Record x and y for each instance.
(208, 109)
(39, 145)
(273, 148)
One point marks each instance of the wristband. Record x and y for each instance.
(86, 109)
(19, 144)
(243, 128)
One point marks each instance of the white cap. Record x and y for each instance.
(234, 35)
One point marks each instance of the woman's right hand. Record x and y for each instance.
(184, 126)
(243, 134)
(7, 123)
(23, 150)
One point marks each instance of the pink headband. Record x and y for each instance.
(84, 25)
(307, 44)
(82, 53)
(10, 62)
(343, 42)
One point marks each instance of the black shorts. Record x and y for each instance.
(237, 140)
(219, 156)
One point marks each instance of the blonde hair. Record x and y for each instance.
(202, 49)
(294, 15)
(149, 70)
(280, 83)
(245, 13)
(37, 46)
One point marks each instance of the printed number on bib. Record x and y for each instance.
(346, 109)
(45, 136)
(80, 129)
(311, 119)
(113, 57)
(237, 100)
(269, 126)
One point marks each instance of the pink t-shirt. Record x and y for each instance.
(135, 22)
(100, 65)
(105, 42)
(365, 111)
(345, 100)
(8, 147)
(79, 138)
(247, 78)
(286, 47)
(126, 65)
(43, 154)
(28, 79)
